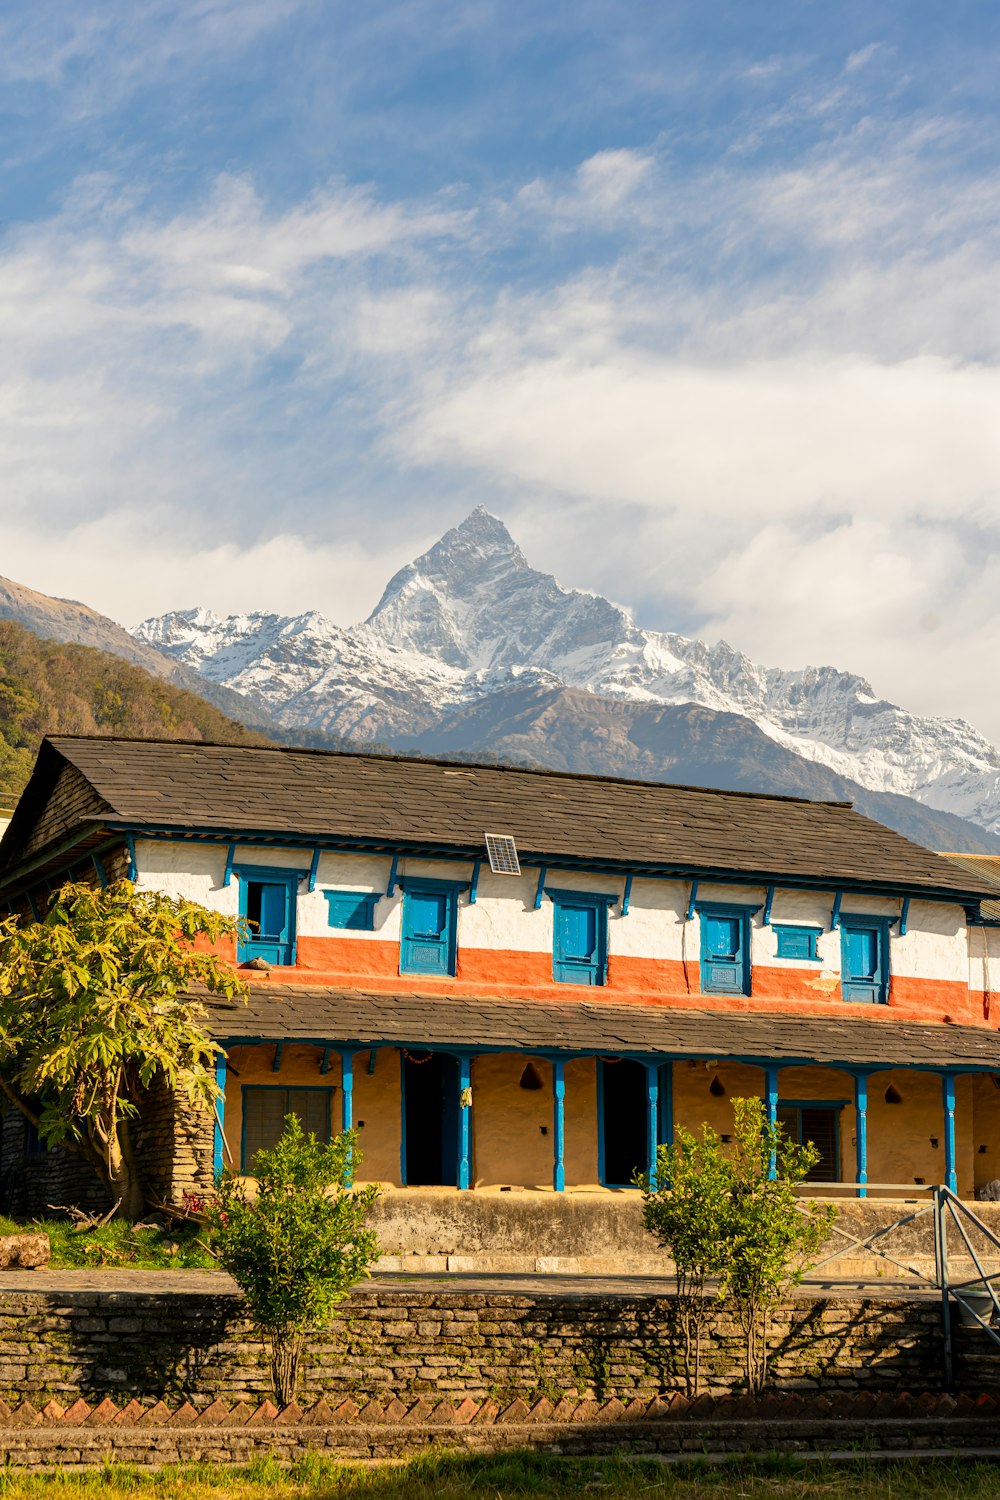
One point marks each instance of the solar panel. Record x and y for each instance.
(503, 854)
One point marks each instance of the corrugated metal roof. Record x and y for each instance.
(987, 868)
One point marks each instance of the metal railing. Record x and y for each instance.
(946, 1209)
(949, 1208)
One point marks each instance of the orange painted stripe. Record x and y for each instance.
(371, 964)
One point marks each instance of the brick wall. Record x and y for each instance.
(406, 1343)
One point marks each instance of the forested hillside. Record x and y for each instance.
(49, 687)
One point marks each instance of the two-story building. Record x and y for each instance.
(540, 1012)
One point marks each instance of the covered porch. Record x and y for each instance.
(497, 1095)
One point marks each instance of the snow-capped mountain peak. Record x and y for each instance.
(471, 617)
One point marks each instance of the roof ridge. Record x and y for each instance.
(435, 760)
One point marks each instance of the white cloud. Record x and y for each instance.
(750, 442)
(146, 565)
(773, 406)
(861, 57)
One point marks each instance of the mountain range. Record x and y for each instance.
(471, 652)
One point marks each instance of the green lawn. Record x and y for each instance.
(120, 1244)
(512, 1476)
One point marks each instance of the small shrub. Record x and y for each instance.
(685, 1213)
(730, 1214)
(298, 1244)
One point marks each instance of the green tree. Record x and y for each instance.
(771, 1234)
(95, 1006)
(729, 1214)
(685, 1212)
(298, 1243)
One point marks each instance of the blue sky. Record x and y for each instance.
(701, 298)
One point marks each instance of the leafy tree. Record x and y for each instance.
(95, 1005)
(770, 1233)
(298, 1244)
(51, 687)
(685, 1212)
(730, 1215)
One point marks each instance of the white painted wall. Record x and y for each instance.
(504, 917)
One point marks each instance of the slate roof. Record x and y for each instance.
(394, 802)
(299, 1013)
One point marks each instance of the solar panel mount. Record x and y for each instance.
(502, 853)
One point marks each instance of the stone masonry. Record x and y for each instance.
(81, 1437)
(411, 1342)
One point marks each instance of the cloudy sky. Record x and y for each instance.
(701, 298)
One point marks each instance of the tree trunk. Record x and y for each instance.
(286, 1350)
(123, 1175)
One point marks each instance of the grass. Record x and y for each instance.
(138, 1246)
(511, 1476)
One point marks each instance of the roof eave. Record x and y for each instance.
(537, 858)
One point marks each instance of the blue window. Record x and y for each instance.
(864, 959)
(267, 901)
(264, 1111)
(354, 909)
(430, 926)
(580, 937)
(725, 949)
(797, 942)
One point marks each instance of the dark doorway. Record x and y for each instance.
(623, 1121)
(430, 1094)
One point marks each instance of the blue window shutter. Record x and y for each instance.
(351, 909)
(273, 913)
(267, 900)
(724, 966)
(428, 942)
(579, 953)
(863, 959)
(797, 942)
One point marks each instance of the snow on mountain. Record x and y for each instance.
(471, 616)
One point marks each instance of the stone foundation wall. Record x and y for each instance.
(30, 1183)
(407, 1343)
(82, 1438)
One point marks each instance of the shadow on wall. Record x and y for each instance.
(148, 1346)
(420, 1341)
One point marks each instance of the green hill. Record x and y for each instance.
(50, 687)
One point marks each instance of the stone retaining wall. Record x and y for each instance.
(81, 1437)
(432, 1230)
(407, 1343)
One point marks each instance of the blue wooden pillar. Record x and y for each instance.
(948, 1100)
(558, 1124)
(464, 1120)
(861, 1131)
(347, 1106)
(220, 1115)
(346, 1090)
(652, 1119)
(771, 1106)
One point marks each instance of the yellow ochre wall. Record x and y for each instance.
(377, 1098)
(899, 1135)
(507, 1120)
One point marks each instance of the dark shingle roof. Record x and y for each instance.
(554, 817)
(297, 1013)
